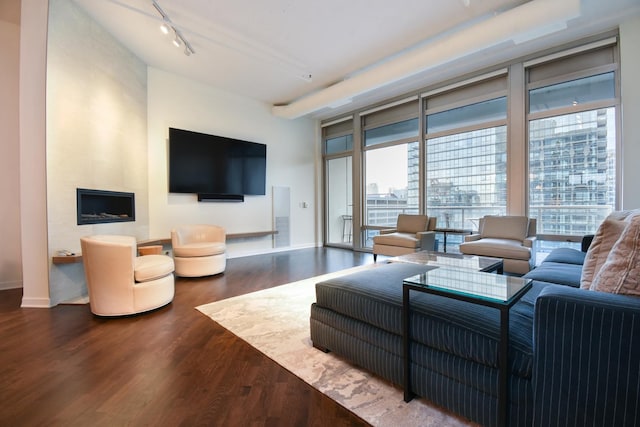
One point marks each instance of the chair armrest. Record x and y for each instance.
(586, 352)
(586, 242)
(529, 241)
(427, 240)
(472, 237)
(388, 231)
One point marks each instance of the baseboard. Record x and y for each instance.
(10, 285)
(35, 303)
(271, 251)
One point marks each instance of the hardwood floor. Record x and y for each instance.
(170, 367)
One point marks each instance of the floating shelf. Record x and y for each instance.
(76, 258)
(67, 259)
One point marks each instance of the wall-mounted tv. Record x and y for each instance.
(215, 166)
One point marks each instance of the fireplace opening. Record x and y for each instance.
(101, 206)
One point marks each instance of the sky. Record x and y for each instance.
(380, 171)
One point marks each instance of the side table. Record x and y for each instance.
(490, 290)
(446, 231)
(150, 250)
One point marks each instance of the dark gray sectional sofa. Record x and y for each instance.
(574, 354)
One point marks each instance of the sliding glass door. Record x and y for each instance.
(338, 184)
(339, 219)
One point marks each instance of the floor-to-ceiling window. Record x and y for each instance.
(572, 108)
(538, 137)
(391, 166)
(338, 149)
(466, 153)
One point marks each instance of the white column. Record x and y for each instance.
(33, 151)
(630, 84)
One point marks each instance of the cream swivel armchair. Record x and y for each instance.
(412, 233)
(119, 282)
(508, 237)
(199, 250)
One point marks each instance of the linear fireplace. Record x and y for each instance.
(100, 206)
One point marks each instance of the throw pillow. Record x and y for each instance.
(606, 236)
(620, 274)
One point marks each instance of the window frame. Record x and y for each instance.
(395, 112)
(488, 95)
(516, 73)
(561, 111)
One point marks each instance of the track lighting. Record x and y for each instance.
(167, 26)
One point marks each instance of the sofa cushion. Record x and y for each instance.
(567, 256)
(557, 272)
(372, 295)
(505, 227)
(152, 267)
(620, 274)
(497, 248)
(604, 239)
(381, 352)
(375, 297)
(404, 240)
(199, 249)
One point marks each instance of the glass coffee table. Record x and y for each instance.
(475, 287)
(442, 259)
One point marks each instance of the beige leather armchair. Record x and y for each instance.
(508, 237)
(412, 233)
(199, 249)
(120, 283)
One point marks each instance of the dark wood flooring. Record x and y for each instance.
(170, 367)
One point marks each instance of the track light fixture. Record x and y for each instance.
(164, 28)
(167, 25)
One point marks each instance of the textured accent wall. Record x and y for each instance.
(96, 134)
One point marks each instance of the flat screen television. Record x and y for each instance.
(215, 165)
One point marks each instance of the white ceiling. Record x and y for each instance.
(287, 51)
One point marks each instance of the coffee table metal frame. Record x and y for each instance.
(419, 283)
(449, 260)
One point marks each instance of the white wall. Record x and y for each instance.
(177, 102)
(96, 134)
(10, 256)
(630, 83)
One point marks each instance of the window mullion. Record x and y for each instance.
(470, 128)
(568, 110)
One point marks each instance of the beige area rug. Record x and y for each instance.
(276, 322)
